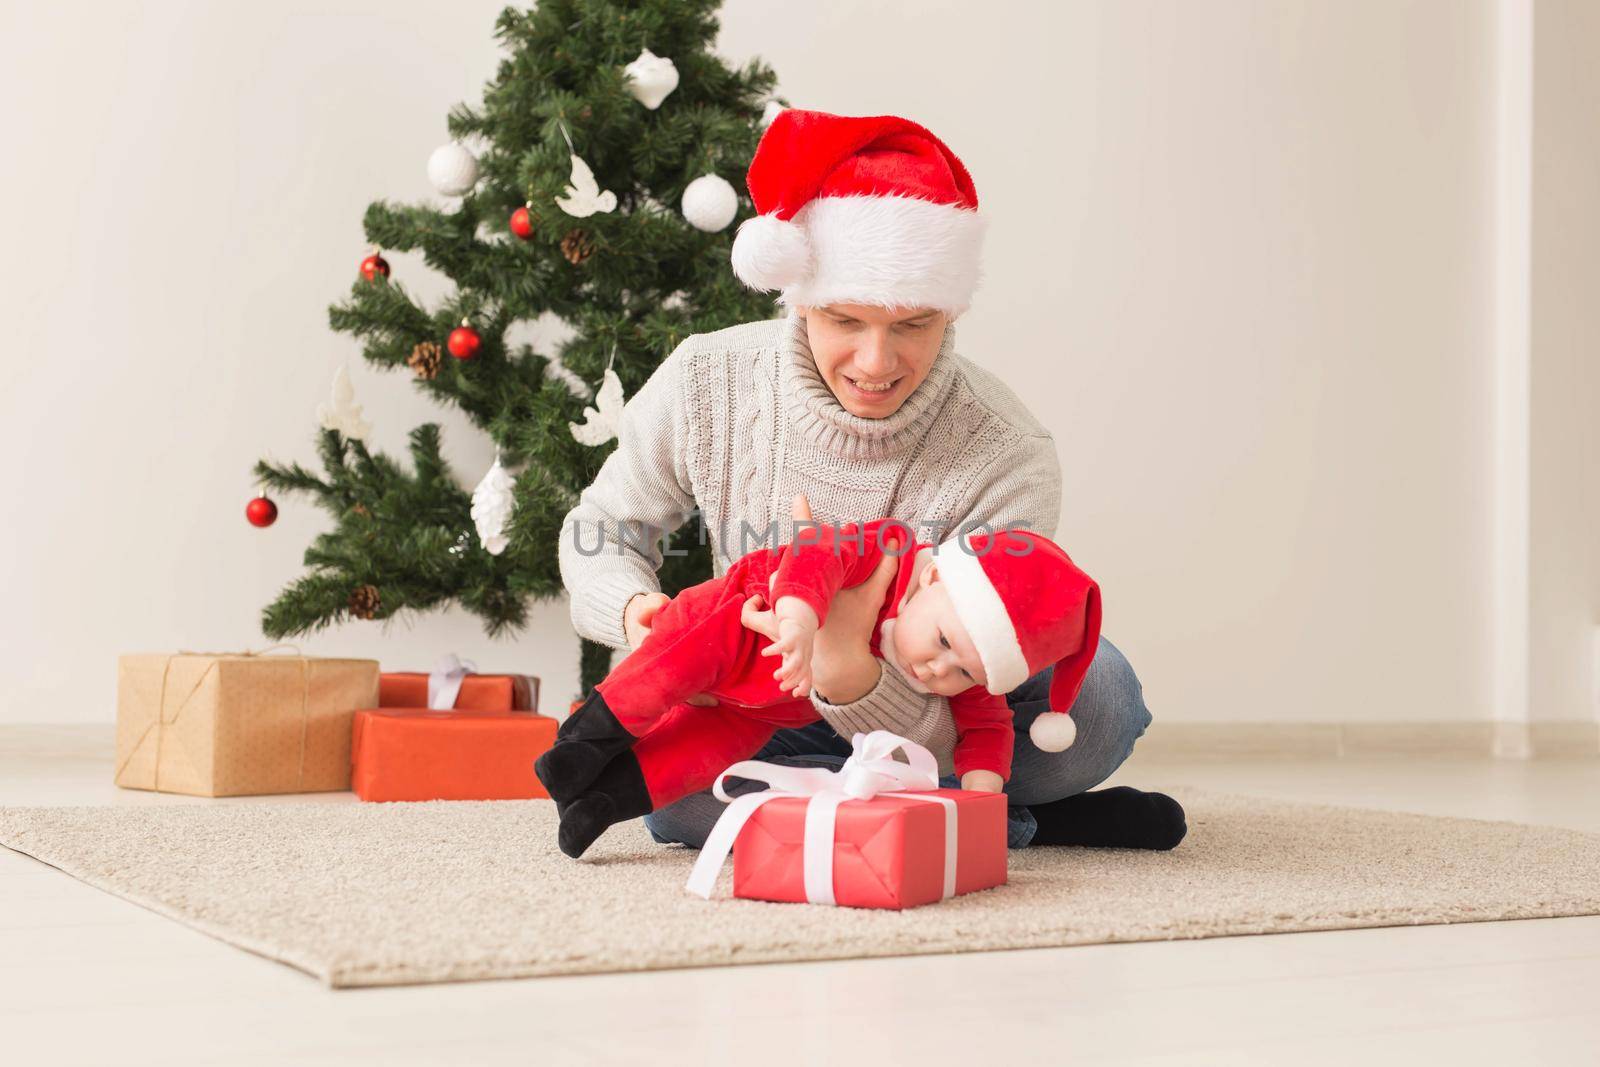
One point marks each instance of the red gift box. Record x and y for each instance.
(888, 852)
(479, 692)
(418, 754)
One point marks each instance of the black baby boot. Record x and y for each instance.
(619, 794)
(1120, 817)
(588, 740)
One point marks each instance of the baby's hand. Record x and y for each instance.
(792, 629)
(982, 781)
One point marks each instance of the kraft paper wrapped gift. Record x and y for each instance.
(230, 724)
(471, 754)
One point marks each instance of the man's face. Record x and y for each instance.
(873, 358)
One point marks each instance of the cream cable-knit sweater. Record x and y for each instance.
(738, 421)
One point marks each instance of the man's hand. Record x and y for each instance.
(637, 617)
(982, 782)
(640, 613)
(843, 667)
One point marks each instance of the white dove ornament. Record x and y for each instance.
(584, 197)
(344, 414)
(603, 421)
(651, 78)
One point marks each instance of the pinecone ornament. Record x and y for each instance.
(577, 246)
(425, 360)
(365, 602)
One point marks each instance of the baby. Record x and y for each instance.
(970, 619)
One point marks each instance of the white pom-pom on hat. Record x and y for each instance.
(770, 253)
(1053, 731)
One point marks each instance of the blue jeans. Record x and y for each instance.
(1110, 715)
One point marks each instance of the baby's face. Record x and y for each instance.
(930, 641)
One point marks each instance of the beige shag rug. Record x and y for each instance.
(387, 894)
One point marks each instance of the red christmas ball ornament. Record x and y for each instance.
(522, 223)
(464, 341)
(374, 267)
(261, 512)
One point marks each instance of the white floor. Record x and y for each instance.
(87, 978)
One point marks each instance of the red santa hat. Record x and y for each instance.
(859, 210)
(1026, 606)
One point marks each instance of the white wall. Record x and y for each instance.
(1241, 263)
(1240, 260)
(1564, 528)
(186, 191)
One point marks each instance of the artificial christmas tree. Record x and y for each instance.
(573, 126)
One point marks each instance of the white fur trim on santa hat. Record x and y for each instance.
(984, 615)
(1053, 731)
(887, 251)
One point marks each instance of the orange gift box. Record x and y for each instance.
(888, 852)
(479, 692)
(418, 754)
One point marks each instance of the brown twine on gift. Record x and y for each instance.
(161, 720)
(245, 654)
(305, 724)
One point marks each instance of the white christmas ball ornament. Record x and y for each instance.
(1053, 731)
(770, 112)
(651, 78)
(710, 203)
(452, 169)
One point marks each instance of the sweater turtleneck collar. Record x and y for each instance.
(822, 420)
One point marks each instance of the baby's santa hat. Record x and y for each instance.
(859, 210)
(1025, 605)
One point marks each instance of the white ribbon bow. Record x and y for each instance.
(870, 770)
(444, 684)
